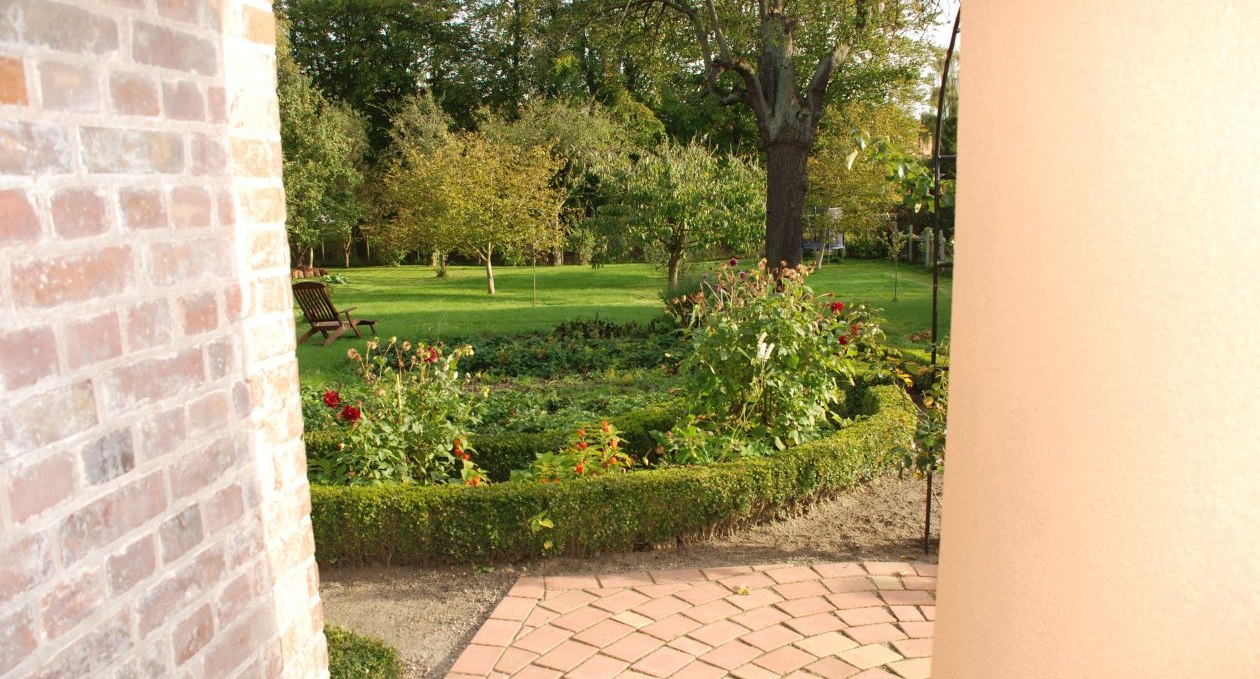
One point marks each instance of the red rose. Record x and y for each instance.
(350, 414)
(732, 262)
(431, 356)
(837, 307)
(581, 432)
(579, 468)
(843, 340)
(581, 445)
(332, 399)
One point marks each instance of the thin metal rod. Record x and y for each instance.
(927, 517)
(936, 194)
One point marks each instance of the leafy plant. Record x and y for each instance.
(407, 421)
(926, 452)
(353, 656)
(589, 454)
(768, 362)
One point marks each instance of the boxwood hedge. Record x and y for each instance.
(418, 524)
(352, 656)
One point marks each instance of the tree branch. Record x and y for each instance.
(817, 93)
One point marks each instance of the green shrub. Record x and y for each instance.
(413, 524)
(351, 656)
(498, 454)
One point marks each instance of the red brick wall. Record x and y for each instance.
(153, 499)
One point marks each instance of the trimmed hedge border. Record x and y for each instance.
(396, 524)
(354, 656)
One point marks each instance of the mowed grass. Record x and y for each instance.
(409, 302)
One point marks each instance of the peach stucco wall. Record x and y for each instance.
(1102, 510)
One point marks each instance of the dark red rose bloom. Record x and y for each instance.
(350, 414)
(732, 262)
(581, 445)
(579, 468)
(332, 399)
(837, 307)
(431, 356)
(843, 340)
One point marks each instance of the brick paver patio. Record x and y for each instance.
(867, 620)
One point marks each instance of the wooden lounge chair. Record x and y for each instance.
(324, 318)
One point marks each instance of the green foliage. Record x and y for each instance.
(353, 656)
(556, 354)
(768, 364)
(324, 142)
(408, 421)
(527, 405)
(412, 524)
(474, 196)
(926, 452)
(589, 454)
(684, 200)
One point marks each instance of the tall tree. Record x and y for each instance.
(779, 59)
(323, 143)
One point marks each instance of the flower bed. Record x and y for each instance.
(406, 524)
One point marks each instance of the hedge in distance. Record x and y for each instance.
(397, 524)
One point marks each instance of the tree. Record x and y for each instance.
(686, 199)
(323, 143)
(479, 198)
(756, 57)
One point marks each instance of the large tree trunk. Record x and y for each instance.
(785, 202)
(489, 268)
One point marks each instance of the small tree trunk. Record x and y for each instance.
(433, 259)
(785, 201)
(557, 256)
(310, 258)
(440, 263)
(674, 267)
(489, 268)
(345, 250)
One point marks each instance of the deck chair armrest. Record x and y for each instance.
(349, 308)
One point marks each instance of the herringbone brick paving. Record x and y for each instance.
(844, 620)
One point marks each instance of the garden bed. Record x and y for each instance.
(409, 524)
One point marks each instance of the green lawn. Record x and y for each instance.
(410, 302)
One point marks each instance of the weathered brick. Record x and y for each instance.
(142, 209)
(128, 567)
(66, 87)
(182, 100)
(79, 213)
(166, 598)
(208, 413)
(224, 655)
(180, 10)
(73, 278)
(112, 516)
(27, 356)
(192, 634)
(63, 27)
(109, 456)
(208, 157)
(23, 564)
(216, 104)
(36, 487)
(12, 82)
(223, 509)
(110, 151)
(220, 358)
(181, 533)
(148, 325)
(151, 661)
(168, 48)
(163, 433)
(190, 207)
(260, 25)
(47, 418)
(18, 221)
(68, 602)
(34, 148)
(204, 467)
(188, 260)
(134, 94)
(262, 206)
(93, 652)
(152, 380)
(200, 313)
(17, 638)
(253, 157)
(91, 340)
